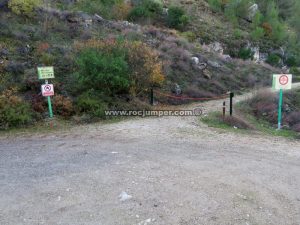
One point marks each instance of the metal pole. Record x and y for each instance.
(49, 103)
(280, 108)
(224, 109)
(231, 102)
(152, 97)
(50, 107)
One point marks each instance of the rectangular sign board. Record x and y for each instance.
(282, 81)
(45, 72)
(47, 90)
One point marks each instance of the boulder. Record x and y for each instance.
(195, 60)
(252, 11)
(213, 64)
(256, 54)
(226, 58)
(165, 11)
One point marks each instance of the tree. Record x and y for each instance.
(23, 7)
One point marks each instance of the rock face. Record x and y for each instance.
(216, 47)
(252, 11)
(256, 54)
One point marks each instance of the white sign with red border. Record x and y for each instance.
(282, 81)
(47, 90)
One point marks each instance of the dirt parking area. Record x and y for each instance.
(175, 170)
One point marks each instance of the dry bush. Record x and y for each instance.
(293, 118)
(62, 106)
(236, 122)
(121, 10)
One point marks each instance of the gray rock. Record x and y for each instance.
(252, 11)
(165, 11)
(202, 66)
(213, 64)
(226, 58)
(195, 60)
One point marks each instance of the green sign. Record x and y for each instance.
(45, 72)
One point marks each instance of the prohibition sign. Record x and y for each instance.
(283, 80)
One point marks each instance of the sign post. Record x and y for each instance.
(281, 82)
(47, 89)
(280, 108)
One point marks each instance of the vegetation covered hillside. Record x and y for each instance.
(107, 54)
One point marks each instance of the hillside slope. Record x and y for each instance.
(194, 57)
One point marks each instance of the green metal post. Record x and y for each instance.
(280, 108)
(50, 107)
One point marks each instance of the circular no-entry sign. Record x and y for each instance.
(284, 79)
(47, 88)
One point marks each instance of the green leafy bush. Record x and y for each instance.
(23, 7)
(91, 103)
(146, 9)
(216, 5)
(177, 18)
(103, 71)
(246, 53)
(257, 34)
(273, 60)
(292, 61)
(14, 112)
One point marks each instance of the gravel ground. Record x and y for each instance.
(177, 170)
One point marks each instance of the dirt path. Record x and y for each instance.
(177, 170)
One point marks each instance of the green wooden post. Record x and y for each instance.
(280, 108)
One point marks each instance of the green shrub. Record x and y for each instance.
(146, 9)
(103, 71)
(246, 53)
(216, 5)
(273, 60)
(138, 13)
(177, 18)
(257, 34)
(23, 7)
(292, 61)
(14, 112)
(295, 71)
(189, 35)
(237, 33)
(91, 103)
